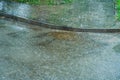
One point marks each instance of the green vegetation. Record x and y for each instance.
(47, 2)
(28, 1)
(118, 9)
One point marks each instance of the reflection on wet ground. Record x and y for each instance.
(45, 54)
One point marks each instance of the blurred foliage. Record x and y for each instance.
(118, 9)
(47, 2)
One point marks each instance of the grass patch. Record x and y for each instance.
(118, 9)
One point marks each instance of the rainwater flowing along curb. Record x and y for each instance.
(51, 26)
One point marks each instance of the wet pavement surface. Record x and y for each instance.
(29, 52)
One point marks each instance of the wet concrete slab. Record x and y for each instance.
(29, 52)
